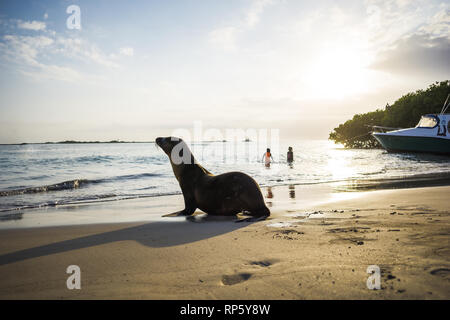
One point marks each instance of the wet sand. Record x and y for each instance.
(308, 249)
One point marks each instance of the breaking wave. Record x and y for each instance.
(73, 184)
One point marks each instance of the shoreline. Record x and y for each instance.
(152, 207)
(315, 251)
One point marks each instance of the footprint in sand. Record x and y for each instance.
(287, 234)
(442, 272)
(229, 280)
(261, 263)
(353, 240)
(349, 229)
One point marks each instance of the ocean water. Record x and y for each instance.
(42, 175)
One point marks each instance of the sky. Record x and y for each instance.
(135, 70)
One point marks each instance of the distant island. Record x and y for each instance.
(76, 142)
(93, 142)
(404, 113)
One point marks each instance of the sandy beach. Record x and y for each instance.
(316, 252)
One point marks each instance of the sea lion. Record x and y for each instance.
(225, 194)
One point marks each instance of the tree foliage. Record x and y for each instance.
(404, 113)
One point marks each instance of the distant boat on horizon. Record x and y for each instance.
(431, 135)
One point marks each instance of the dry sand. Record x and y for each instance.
(302, 252)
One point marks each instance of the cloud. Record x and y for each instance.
(83, 50)
(24, 49)
(416, 54)
(48, 55)
(389, 20)
(94, 54)
(46, 16)
(439, 24)
(54, 72)
(256, 9)
(425, 49)
(126, 51)
(33, 25)
(31, 56)
(224, 37)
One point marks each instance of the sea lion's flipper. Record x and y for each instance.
(252, 219)
(173, 214)
(177, 214)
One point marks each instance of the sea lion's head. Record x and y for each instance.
(167, 143)
(177, 150)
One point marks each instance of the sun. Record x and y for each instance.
(337, 73)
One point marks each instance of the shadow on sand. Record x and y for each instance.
(154, 234)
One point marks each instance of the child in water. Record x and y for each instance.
(290, 155)
(267, 156)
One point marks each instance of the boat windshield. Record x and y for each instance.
(427, 122)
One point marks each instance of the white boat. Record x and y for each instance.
(431, 135)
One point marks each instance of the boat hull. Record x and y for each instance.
(397, 143)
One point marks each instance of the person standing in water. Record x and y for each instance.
(290, 155)
(266, 157)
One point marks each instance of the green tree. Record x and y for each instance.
(404, 113)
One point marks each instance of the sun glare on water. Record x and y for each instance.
(339, 162)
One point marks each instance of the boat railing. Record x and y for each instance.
(382, 129)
